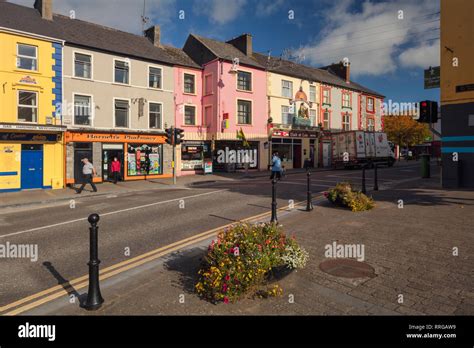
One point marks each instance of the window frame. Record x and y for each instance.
(128, 100)
(129, 62)
(291, 89)
(315, 93)
(237, 112)
(211, 75)
(349, 123)
(161, 79)
(205, 121)
(74, 65)
(349, 94)
(237, 80)
(324, 89)
(195, 115)
(194, 84)
(161, 114)
(92, 111)
(367, 105)
(36, 58)
(329, 112)
(35, 107)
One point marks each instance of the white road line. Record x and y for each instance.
(109, 213)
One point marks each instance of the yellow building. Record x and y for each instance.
(31, 135)
(457, 93)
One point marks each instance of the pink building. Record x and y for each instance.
(233, 99)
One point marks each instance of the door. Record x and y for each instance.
(296, 156)
(326, 157)
(107, 158)
(31, 166)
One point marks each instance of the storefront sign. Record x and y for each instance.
(303, 134)
(32, 127)
(29, 137)
(114, 137)
(191, 165)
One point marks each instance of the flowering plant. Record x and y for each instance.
(239, 261)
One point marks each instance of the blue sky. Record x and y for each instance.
(385, 41)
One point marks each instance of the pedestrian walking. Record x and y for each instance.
(116, 170)
(276, 167)
(88, 172)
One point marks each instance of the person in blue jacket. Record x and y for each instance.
(276, 166)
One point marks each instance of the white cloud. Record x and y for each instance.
(422, 56)
(220, 12)
(120, 14)
(268, 7)
(372, 37)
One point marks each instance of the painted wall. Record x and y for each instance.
(377, 115)
(103, 90)
(277, 100)
(197, 131)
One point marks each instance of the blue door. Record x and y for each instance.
(31, 166)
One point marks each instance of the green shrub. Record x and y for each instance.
(343, 195)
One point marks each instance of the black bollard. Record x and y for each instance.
(309, 203)
(364, 190)
(94, 298)
(376, 183)
(274, 202)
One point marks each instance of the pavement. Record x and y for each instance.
(418, 242)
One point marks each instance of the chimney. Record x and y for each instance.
(154, 35)
(341, 70)
(243, 43)
(45, 8)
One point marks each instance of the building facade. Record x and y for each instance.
(31, 135)
(457, 93)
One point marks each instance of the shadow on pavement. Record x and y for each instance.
(64, 283)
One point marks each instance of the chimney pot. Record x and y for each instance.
(154, 35)
(243, 43)
(45, 8)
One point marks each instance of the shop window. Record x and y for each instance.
(27, 57)
(27, 106)
(155, 115)
(82, 65)
(154, 77)
(189, 115)
(144, 159)
(285, 151)
(121, 72)
(189, 83)
(244, 81)
(82, 110)
(244, 111)
(121, 113)
(287, 89)
(312, 94)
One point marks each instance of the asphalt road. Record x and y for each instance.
(134, 223)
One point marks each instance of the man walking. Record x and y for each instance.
(89, 172)
(276, 167)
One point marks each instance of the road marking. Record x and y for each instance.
(120, 267)
(109, 213)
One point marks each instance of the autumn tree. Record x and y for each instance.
(405, 131)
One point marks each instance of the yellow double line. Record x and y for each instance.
(57, 291)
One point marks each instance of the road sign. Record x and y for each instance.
(432, 79)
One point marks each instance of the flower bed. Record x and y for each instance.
(242, 260)
(343, 195)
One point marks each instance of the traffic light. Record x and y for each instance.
(179, 135)
(169, 136)
(428, 111)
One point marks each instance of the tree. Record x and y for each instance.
(404, 131)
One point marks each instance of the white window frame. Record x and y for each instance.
(346, 103)
(328, 121)
(287, 115)
(74, 65)
(162, 113)
(195, 115)
(372, 109)
(348, 123)
(18, 55)
(237, 81)
(314, 120)
(237, 112)
(328, 96)
(148, 77)
(92, 109)
(129, 71)
(290, 88)
(310, 94)
(195, 83)
(27, 106)
(129, 112)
